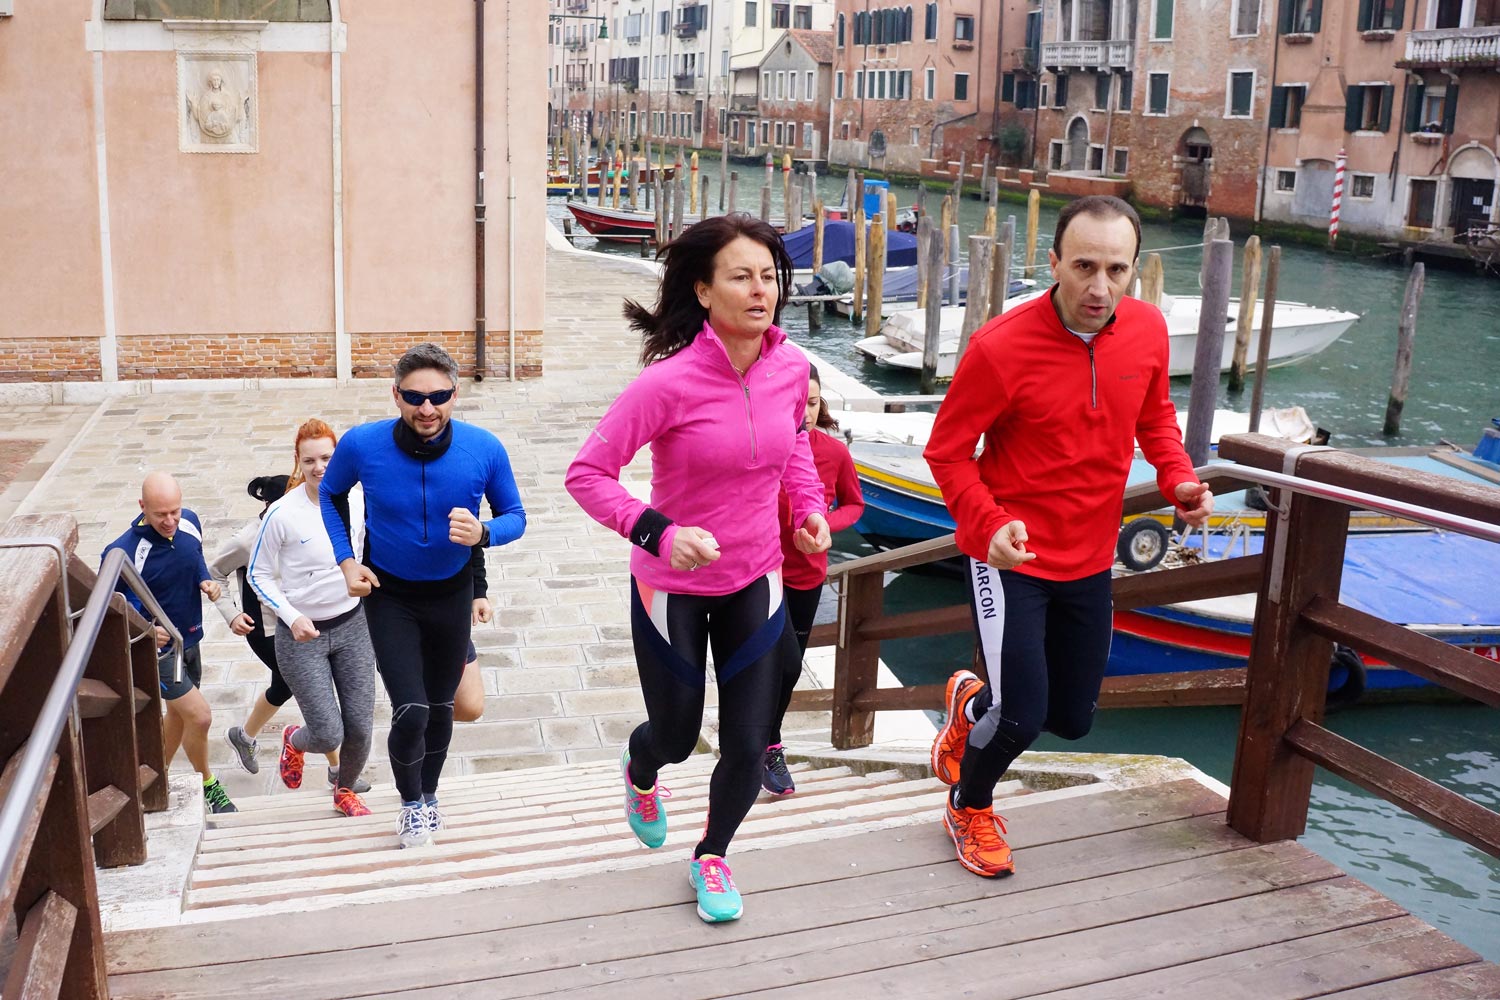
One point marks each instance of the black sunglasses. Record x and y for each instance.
(415, 398)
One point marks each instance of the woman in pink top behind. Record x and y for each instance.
(802, 574)
(721, 404)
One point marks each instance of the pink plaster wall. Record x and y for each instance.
(49, 206)
(220, 242)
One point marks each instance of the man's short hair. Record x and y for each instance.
(1100, 206)
(427, 356)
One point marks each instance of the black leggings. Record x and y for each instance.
(1045, 645)
(420, 638)
(263, 646)
(751, 640)
(801, 609)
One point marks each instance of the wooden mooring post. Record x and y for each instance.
(815, 309)
(1152, 277)
(932, 329)
(1263, 347)
(1000, 269)
(1249, 287)
(857, 307)
(1033, 221)
(734, 190)
(1405, 334)
(977, 308)
(1218, 264)
(876, 265)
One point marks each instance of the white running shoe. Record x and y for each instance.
(411, 826)
(433, 816)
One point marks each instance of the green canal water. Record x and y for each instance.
(1454, 391)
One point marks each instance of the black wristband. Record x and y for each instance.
(484, 535)
(649, 528)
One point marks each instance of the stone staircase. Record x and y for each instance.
(290, 852)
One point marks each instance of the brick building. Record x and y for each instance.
(1410, 92)
(791, 113)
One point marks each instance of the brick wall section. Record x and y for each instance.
(60, 359)
(227, 356)
(374, 354)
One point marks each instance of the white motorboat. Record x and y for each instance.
(1300, 331)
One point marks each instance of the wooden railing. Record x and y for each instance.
(1298, 618)
(863, 624)
(80, 734)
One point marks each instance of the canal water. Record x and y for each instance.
(1453, 394)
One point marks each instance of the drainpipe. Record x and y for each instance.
(1265, 155)
(510, 206)
(479, 190)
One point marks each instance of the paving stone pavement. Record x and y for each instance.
(558, 671)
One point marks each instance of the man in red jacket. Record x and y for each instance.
(1061, 388)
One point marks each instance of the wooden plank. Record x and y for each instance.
(28, 578)
(140, 700)
(28, 831)
(1029, 953)
(148, 721)
(924, 884)
(1457, 669)
(946, 919)
(1287, 676)
(1032, 823)
(826, 634)
(817, 700)
(857, 660)
(104, 806)
(1463, 982)
(1466, 464)
(1384, 952)
(916, 624)
(1219, 578)
(1194, 687)
(1427, 800)
(145, 776)
(905, 557)
(95, 699)
(900, 698)
(36, 970)
(110, 747)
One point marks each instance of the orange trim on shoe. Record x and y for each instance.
(976, 839)
(949, 743)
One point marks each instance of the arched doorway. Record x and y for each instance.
(1473, 174)
(1195, 151)
(1078, 145)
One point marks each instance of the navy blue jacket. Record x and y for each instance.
(407, 500)
(173, 568)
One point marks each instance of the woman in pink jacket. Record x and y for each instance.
(721, 403)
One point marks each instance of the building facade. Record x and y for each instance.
(193, 198)
(1409, 92)
(791, 113)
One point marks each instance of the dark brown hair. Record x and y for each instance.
(825, 419)
(1100, 206)
(678, 315)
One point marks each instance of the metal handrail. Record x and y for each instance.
(62, 696)
(1370, 501)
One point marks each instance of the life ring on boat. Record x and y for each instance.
(1346, 678)
(1143, 544)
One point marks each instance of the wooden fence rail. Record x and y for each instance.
(80, 734)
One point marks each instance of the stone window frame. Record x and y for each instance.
(1354, 178)
(1120, 161)
(1254, 75)
(1167, 106)
(966, 97)
(1285, 181)
(838, 85)
(929, 83)
(1235, 18)
(1055, 154)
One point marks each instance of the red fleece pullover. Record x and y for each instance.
(1060, 419)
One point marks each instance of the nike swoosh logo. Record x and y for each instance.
(642, 539)
(306, 540)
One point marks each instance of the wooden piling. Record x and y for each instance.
(633, 182)
(932, 328)
(857, 309)
(924, 277)
(977, 308)
(1405, 334)
(815, 309)
(1000, 268)
(953, 265)
(786, 184)
(1263, 347)
(734, 190)
(794, 209)
(703, 195)
(1249, 287)
(988, 229)
(619, 176)
(1033, 222)
(851, 195)
(723, 173)
(875, 262)
(660, 211)
(1209, 354)
(679, 196)
(765, 203)
(1152, 278)
(693, 186)
(606, 174)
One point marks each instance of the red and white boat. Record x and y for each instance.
(624, 225)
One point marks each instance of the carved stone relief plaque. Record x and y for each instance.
(217, 106)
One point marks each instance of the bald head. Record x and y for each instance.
(161, 503)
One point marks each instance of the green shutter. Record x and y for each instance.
(1008, 88)
(1398, 14)
(1353, 104)
(1386, 95)
(1287, 12)
(1364, 15)
(1450, 107)
(1278, 107)
(1317, 15)
(1163, 19)
(1414, 94)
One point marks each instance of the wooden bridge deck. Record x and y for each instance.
(1122, 893)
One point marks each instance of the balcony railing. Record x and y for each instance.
(1025, 59)
(683, 81)
(575, 44)
(1453, 48)
(744, 102)
(1117, 54)
(575, 5)
(686, 29)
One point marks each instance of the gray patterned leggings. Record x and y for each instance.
(333, 679)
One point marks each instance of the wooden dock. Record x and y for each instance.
(1120, 893)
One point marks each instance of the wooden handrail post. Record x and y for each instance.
(1287, 675)
(148, 723)
(110, 748)
(857, 661)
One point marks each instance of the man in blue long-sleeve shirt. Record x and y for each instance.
(165, 544)
(424, 475)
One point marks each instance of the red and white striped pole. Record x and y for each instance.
(1338, 197)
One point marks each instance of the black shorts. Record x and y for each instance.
(192, 673)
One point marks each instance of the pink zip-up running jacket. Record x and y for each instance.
(720, 447)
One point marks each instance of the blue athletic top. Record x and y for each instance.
(172, 567)
(407, 499)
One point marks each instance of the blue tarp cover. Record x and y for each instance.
(838, 244)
